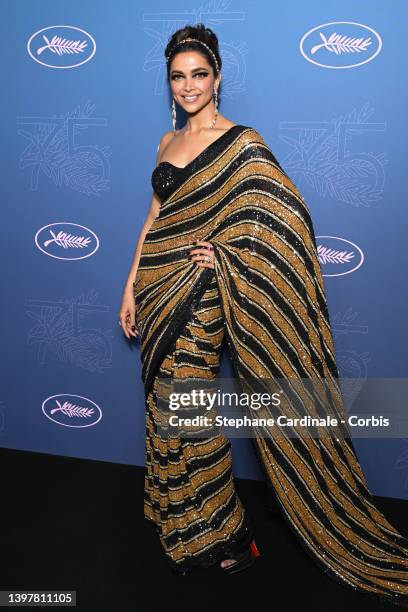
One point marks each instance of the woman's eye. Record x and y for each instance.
(175, 77)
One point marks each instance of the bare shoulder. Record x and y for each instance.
(164, 141)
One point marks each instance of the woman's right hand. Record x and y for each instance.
(127, 314)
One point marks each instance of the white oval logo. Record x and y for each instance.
(338, 256)
(339, 44)
(64, 240)
(71, 410)
(56, 46)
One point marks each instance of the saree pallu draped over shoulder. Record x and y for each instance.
(276, 322)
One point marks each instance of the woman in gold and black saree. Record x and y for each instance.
(266, 299)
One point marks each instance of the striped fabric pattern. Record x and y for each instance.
(236, 196)
(189, 489)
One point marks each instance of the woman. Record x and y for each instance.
(228, 253)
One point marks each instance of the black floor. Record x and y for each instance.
(72, 524)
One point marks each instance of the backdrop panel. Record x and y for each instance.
(86, 103)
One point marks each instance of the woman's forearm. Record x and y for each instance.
(137, 254)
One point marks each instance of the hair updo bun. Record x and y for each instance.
(201, 33)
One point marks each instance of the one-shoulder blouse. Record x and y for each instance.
(166, 176)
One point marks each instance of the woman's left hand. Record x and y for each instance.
(200, 255)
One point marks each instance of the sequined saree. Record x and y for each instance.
(266, 300)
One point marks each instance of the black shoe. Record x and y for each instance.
(243, 560)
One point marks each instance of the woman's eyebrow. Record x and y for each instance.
(193, 70)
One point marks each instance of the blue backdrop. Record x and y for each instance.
(85, 103)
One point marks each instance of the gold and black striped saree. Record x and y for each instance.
(266, 299)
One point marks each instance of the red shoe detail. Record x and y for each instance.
(254, 550)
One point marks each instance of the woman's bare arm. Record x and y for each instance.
(154, 211)
(152, 214)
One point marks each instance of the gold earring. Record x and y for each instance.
(215, 96)
(174, 115)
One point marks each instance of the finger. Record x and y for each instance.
(130, 327)
(196, 256)
(124, 323)
(132, 332)
(205, 264)
(199, 258)
(201, 252)
(204, 243)
(205, 260)
(209, 249)
(203, 257)
(131, 324)
(197, 251)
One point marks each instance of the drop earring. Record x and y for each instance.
(215, 97)
(174, 115)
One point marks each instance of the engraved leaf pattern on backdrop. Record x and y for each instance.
(56, 151)
(68, 240)
(61, 45)
(336, 43)
(72, 410)
(319, 157)
(58, 330)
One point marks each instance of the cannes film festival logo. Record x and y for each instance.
(61, 46)
(71, 330)
(61, 149)
(340, 44)
(338, 256)
(67, 241)
(71, 410)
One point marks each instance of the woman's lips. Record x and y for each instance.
(191, 98)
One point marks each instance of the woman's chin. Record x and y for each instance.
(192, 108)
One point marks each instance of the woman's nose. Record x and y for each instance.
(189, 84)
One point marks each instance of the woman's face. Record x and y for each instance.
(192, 80)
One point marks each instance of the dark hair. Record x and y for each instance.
(199, 31)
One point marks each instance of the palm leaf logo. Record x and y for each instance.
(327, 255)
(68, 240)
(72, 410)
(60, 45)
(339, 44)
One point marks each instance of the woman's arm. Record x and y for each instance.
(154, 211)
(127, 312)
(152, 214)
